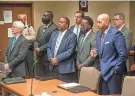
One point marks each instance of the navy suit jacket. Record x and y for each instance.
(113, 54)
(65, 51)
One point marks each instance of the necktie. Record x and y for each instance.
(82, 40)
(57, 44)
(13, 43)
(102, 39)
(77, 32)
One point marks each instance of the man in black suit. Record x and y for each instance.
(42, 39)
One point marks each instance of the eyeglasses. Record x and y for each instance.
(62, 22)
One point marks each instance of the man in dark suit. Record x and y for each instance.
(60, 51)
(16, 52)
(119, 23)
(112, 52)
(77, 29)
(42, 39)
(86, 42)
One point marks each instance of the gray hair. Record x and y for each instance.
(18, 24)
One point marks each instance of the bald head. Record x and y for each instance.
(103, 22)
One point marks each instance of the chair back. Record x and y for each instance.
(89, 77)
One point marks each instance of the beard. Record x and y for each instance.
(45, 21)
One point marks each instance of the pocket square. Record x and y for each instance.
(107, 42)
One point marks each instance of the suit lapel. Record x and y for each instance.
(105, 39)
(63, 40)
(17, 42)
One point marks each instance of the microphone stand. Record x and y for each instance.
(33, 77)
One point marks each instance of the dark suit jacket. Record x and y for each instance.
(16, 57)
(113, 54)
(83, 54)
(43, 39)
(65, 51)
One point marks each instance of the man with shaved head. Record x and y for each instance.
(112, 52)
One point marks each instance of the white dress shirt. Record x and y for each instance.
(58, 41)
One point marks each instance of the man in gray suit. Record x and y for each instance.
(42, 39)
(119, 23)
(86, 42)
(60, 51)
(16, 52)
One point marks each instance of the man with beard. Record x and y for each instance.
(42, 39)
(86, 42)
(61, 48)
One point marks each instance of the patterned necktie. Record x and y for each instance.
(102, 39)
(13, 43)
(57, 44)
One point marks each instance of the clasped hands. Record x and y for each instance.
(7, 68)
(54, 61)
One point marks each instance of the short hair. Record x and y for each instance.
(18, 24)
(67, 20)
(122, 15)
(82, 14)
(89, 19)
(50, 13)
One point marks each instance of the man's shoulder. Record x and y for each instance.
(126, 30)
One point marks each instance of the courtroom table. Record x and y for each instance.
(49, 86)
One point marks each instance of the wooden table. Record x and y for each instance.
(50, 86)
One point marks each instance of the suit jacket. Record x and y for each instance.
(72, 29)
(128, 37)
(65, 51)
(113, 53)
(16, 57)
(83, 54)
(43, 39)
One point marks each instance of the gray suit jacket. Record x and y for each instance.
(43, 39)
(16, 57)
(128, 38)
(83, 54)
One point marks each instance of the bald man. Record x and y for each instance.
(112, 52)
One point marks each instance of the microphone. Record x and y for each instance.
(33, 67)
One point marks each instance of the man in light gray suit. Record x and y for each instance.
(86, 43)
(16, 52)
(119, 23)
(60, 51)
(42, 39)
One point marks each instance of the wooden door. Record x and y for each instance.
(16, 9)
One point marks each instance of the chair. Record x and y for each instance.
(89, 77)
(128, 86)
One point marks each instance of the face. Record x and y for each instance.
(118, 22)
(22, 19)
(46, 18)
(78, 18)
(101, 24)
(62, 24)
(15, 30)
(85, 25)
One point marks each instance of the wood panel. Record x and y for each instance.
(16, 9)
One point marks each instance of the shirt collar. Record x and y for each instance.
(48, 25)
(105, 32)
(121, 27)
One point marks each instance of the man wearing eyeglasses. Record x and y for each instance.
(42, 39)
(16, 52)
(119, 23)
(61, 48)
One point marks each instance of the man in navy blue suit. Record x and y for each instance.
(112, 52)
(61, 48)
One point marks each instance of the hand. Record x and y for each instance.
(54, 61)
(79, 66)
(37, 50)
(93, 53)
(133, 67)
(6, 66)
